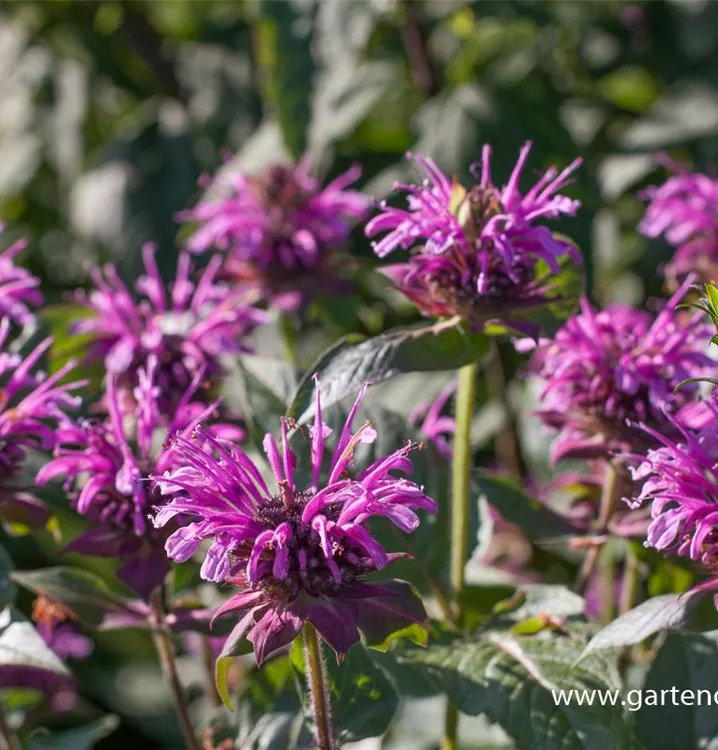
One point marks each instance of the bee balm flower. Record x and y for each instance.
(476, 251)
(298, 553)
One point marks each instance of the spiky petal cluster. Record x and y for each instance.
(31, 406)
(680, 481)
(298, 554)
(105, 464)
(476, 251)
(607, 370)
(19, 289)
(186, 331)
(280, 230)
(684, 210)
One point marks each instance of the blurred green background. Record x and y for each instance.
(112, 110)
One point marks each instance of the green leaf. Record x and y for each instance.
(81, 738)
(8, 590)
(347, 365)
(235, 645)
(363, 699)
(533, 518)
(684, 663)
(512, 679)
(83, 592)
(666, 612)
(285, 55)
(536, 600)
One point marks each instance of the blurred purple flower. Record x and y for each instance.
(106, 463)
(607, 370)
(31, 406)
(680, 481)
(299, 554)
(187, 332)
(59, 629)
(19, 289)
(476, 251)
(281, 231)
(438, 428)
(684, 209)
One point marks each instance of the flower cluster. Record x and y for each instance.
(685, 211)
(106, 463)
(280, 230)
(298, 554)
(186, 331)
(606, 371)
(31, 406)
(478, 253)
(680, 481)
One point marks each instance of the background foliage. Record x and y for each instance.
(112, 110)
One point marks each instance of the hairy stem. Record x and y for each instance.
(460, 475)
(8, 739)
(318, 691)
(165, 652)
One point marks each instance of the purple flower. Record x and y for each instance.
(477, 252)
(298, 554)
(106, 463)
(31, 406)
(607, 370)
(438, 428)
(18, 288)
(680, 481)
(685, 211)
(186, 331)
(281, 230)
(58, 628)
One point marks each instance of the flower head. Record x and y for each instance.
(19, 289)
(186, 330)
(684, 209)
(106, 462)
(31, 406)
(606, 371)
(297, 553)
(477, 252)
(680, 481)
(280, 230)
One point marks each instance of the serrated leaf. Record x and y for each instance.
(666, 612)
(84, 593)
(684, 663)
(512, 681)
(347, 365)
(362, 697)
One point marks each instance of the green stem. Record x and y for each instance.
(460, 475)
(8, 739)
(318, 691)
(288, 325)
(610, 497)
(165, 652)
